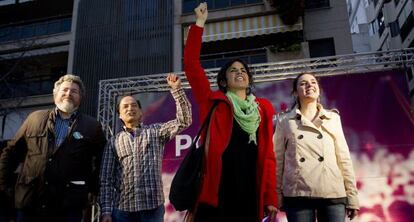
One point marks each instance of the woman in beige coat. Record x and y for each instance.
(315, 176)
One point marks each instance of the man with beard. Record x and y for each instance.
(60, 152)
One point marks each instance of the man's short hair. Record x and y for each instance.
(119, 102)
(70, 78)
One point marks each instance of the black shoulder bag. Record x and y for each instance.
(186, 183)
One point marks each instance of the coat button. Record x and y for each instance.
(300, 137)
(50, 159)
(302, 159)
(320, 158)
(320, 136)
(67, 185)
(46, 183)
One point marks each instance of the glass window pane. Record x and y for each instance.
(237, 2)
(189, 5)
(208, 64)
(253, 1)
(53, 27)
(221, 62)
(27, 31)
(66, 25)
(41, 29)
(221, 3)
(245, 59)
(210, 3)
(14, 33)
(258, 59)
(4, 34)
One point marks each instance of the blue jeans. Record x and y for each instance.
(328, 213)
(153, 215)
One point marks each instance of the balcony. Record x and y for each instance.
(14, 33)
(251, 56)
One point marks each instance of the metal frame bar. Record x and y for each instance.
(110, 89)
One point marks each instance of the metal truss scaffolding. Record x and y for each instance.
(110, 89)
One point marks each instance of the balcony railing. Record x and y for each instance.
(13, 33)
(313, 4)
(189, 5)
(251, 56)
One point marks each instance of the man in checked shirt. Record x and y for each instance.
(131, 185)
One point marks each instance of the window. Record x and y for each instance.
(381, 23)
(27, 31)
(7, 2)
(394, 28)
(41, 29)
(321, 47)
(405, 19)
(313, 4)
(407, 27)
(252, 50)
(251, 56)
(35, 29)
(33, 75)
(53, 27)
(189, 5)
(372, 28)
(396, 2)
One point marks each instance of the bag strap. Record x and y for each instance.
(207, 138)
(190, 215)
(206, 121)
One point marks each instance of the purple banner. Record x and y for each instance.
(378, 125)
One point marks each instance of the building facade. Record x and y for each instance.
(390, 25)
(358, 20)
(34, 45)
(99, 39)
(40, 40)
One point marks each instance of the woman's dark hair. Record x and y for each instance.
(295, 85)
(221, 76)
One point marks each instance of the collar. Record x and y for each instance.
(134, 132)
(296, 113)
(72, 116)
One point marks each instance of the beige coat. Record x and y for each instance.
(313, 161)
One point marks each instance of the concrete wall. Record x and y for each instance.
(330, 22)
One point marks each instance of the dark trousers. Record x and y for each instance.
(63, 215)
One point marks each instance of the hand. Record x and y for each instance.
(106, 218)
(201, 13)
(351, 213)
(173, 81)
(271, 212)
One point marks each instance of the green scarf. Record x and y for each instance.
(246, 113)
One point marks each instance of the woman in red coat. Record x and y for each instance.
(239, 181)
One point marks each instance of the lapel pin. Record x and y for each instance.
(77, 135)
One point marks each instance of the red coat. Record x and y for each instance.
(221, 130)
